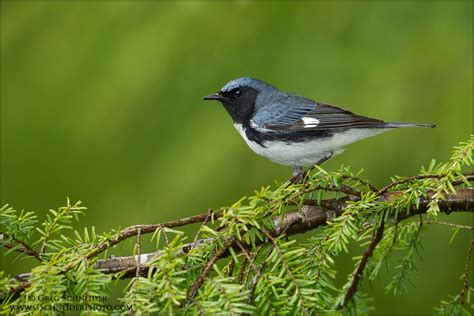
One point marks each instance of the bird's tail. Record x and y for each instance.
(397, 125)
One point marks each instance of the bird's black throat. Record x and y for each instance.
(240, 108)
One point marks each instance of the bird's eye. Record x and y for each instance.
(238, 93)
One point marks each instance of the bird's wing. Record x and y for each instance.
(298, 114)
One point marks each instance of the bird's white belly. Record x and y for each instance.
(309, 152)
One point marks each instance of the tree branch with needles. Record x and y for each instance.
(308, 217)
(253, 238)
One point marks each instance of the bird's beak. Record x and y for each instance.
(215, 96)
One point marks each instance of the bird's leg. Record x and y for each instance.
(298, 174)
(297, 170)
(302, 174)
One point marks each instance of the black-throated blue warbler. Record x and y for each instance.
(293, 130)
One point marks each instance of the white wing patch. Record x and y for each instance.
(257, 127)
(310, 121)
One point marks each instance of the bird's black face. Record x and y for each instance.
(239, 102)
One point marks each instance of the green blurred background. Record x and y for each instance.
(102, 102)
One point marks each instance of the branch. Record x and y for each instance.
(145, 229)
(448, 224)
(259, 274)
(465, 275)
(25, 248)
(468, 175)
(379, 234)
(204, 217)
(200, 280)
(308, 217)
(363, 262)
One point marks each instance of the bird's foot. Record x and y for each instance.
(299, 178)
(298, 175)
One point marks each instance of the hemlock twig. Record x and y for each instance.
(242, 270)
(139, 254)
(137, 270)
(200, 280)
(257, 276)
(25, 248)
(209, 215)
(165, 236)
(466, 273)
(357, 276)
(413, 178)
(448, 224)
(249, 260)
(231, 268)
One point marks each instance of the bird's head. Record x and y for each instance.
(240, 96)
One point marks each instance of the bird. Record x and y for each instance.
(293, 130)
